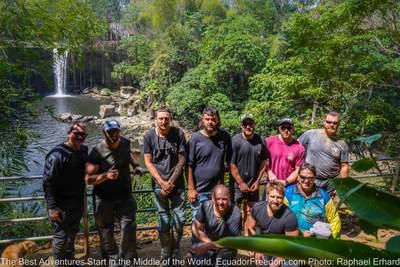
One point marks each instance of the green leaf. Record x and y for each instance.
(309, 248)
(393, 244)
(376, 207)
(363, 165)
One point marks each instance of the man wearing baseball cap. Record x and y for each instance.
(108, 170)
(247, 166)
(286, 153)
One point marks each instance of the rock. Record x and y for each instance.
(66, 116)
(86, 91)
(132, 111)
(127, 91)
(134, 98)
(107, 111)
(123, 107)
(88, 118)
(77, 117)
(105, 92)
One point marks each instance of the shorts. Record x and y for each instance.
(249, 197)
(325, 184)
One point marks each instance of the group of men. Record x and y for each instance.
(204, 159)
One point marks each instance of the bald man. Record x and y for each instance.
(215, 219)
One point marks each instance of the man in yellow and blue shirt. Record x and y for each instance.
(311, 203)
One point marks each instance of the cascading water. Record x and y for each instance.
(60, 72)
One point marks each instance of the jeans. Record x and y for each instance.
(171, 210)
(201, 197)
(125, 212)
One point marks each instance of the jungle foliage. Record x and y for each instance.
(272, 58)
(27, 28)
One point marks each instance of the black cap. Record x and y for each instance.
(286, 121)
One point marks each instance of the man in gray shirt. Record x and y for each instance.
(326, 152)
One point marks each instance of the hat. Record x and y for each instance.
(111, 124)
(246, 116)
(286, 121)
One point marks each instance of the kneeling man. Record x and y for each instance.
(273, 217)
(216, 218)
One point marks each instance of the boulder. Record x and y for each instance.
(88, 118)
(132, 111)
(107, 111)
(126, 91)
(66, 116)
(134, 98)
(105, 92)
(86, 91)
(123, 107)
(77, 117)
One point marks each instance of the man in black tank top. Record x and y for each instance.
(63, 185)
(108, 170)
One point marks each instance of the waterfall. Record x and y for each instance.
(60, 72)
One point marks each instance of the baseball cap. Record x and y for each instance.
(246, 116)
(286, 121)
(110, 125)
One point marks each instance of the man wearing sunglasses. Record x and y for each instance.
(311, 204)
(327, 152)
(247, 166)
(108, 169)
(286, 154)
(63, 185)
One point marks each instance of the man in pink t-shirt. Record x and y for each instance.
(286, 154)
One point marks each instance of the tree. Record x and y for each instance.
(337, 66)
(26, 26)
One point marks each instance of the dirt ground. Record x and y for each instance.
(149, 248)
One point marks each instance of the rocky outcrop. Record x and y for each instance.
(68, 117)
(126, 91)
(107, 111)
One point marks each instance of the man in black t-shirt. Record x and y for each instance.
(272, 216)
(64, 185)
(108, 170)
(165, 156)
(247, 166)
(215, 219)
(209, 156)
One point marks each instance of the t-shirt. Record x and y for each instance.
(283, 221)
(64, 177)
(165, 152)
(217, 227)
(101, 155)
(284, 158)
(247, 155)
(207, 158)
(324, 153)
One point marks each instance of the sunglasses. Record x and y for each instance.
(289, 128)
(306, 177)
(332, 122)
(80, 135)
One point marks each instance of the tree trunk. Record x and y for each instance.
(314, 112)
